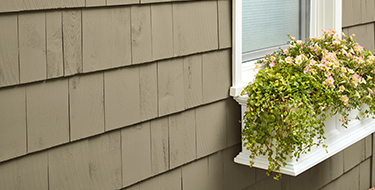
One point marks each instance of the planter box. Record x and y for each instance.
(338, 138)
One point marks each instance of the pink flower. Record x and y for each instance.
(257, 66)
(342, 119)
(341, 88)
(272, 64)
(330, 80)
(345, 99)
(288, 59)
(286, 51)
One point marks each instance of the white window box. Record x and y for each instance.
(338, 138)
(325, 14)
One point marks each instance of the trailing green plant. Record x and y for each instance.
(298, 88)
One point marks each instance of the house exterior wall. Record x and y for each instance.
(115, 94)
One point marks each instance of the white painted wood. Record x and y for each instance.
(338, 138)
(325, 14)
(235, 90)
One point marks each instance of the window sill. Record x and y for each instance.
(338, 138)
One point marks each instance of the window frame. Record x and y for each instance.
(324, 14)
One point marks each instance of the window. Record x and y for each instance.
(265, 24)
(260, 27)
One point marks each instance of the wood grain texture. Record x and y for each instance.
(162, 31)
(364, 35)
(216, 75)
(86, 105)
(170, 86)
(105, 161)
(237, 176)
(73, 3)
(225, 23)
(55, 63)
(141, 34)
(159, 146)
(32, 46)
(122, 2)
(195, 27)
(364, 174)
(47, 114)
(353, 155)
(193, 84)
(9, 68)
(167, 181)
(233, 122)
(106, 38)
(122, 99)
(12, 122)
(10, 6)
(95, 3)
(29, 172)
(195, 175)
(136, 162)
(148, 81)
(350, 180)
(368, 13)
(68, 166)
(72, 42)
(351, 12)
(215, 171)
(182, 138)
(211, 133)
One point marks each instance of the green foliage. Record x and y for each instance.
(299, 88)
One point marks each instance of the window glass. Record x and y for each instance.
(266, 23)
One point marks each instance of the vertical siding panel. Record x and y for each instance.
(105, 161)
(368, 13)
(72, 42)
(193, 81)
(168, 181)
(195, 27)
(106, 38)
(233, 122)
(35, 4)
(159, 146)
(73, 3)
(141, 34)
(211, 133)
(55, 65)
(122, 100)
(25, 173)
(225, 23)
(182, 138)
(136, 153)
(238, 176)
(215, 171)
(162, 31)
(86, 105)
(148, 91)
(353, 155)
(170, 86)
(14, 5)
(32, 40)
(121, 2)
(364, 174)
(216, 75)
(364, 35)
(68, 167)
(12, 122)
(347, 16)
(47, 114)
(9, 70)
(93, 3)
(195, 175)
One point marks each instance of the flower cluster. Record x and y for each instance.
(298, 87)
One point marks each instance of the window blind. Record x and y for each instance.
(266, 23)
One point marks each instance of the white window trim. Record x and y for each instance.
(338, 138)
(320, 10)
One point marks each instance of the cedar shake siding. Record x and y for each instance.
(134, 95)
